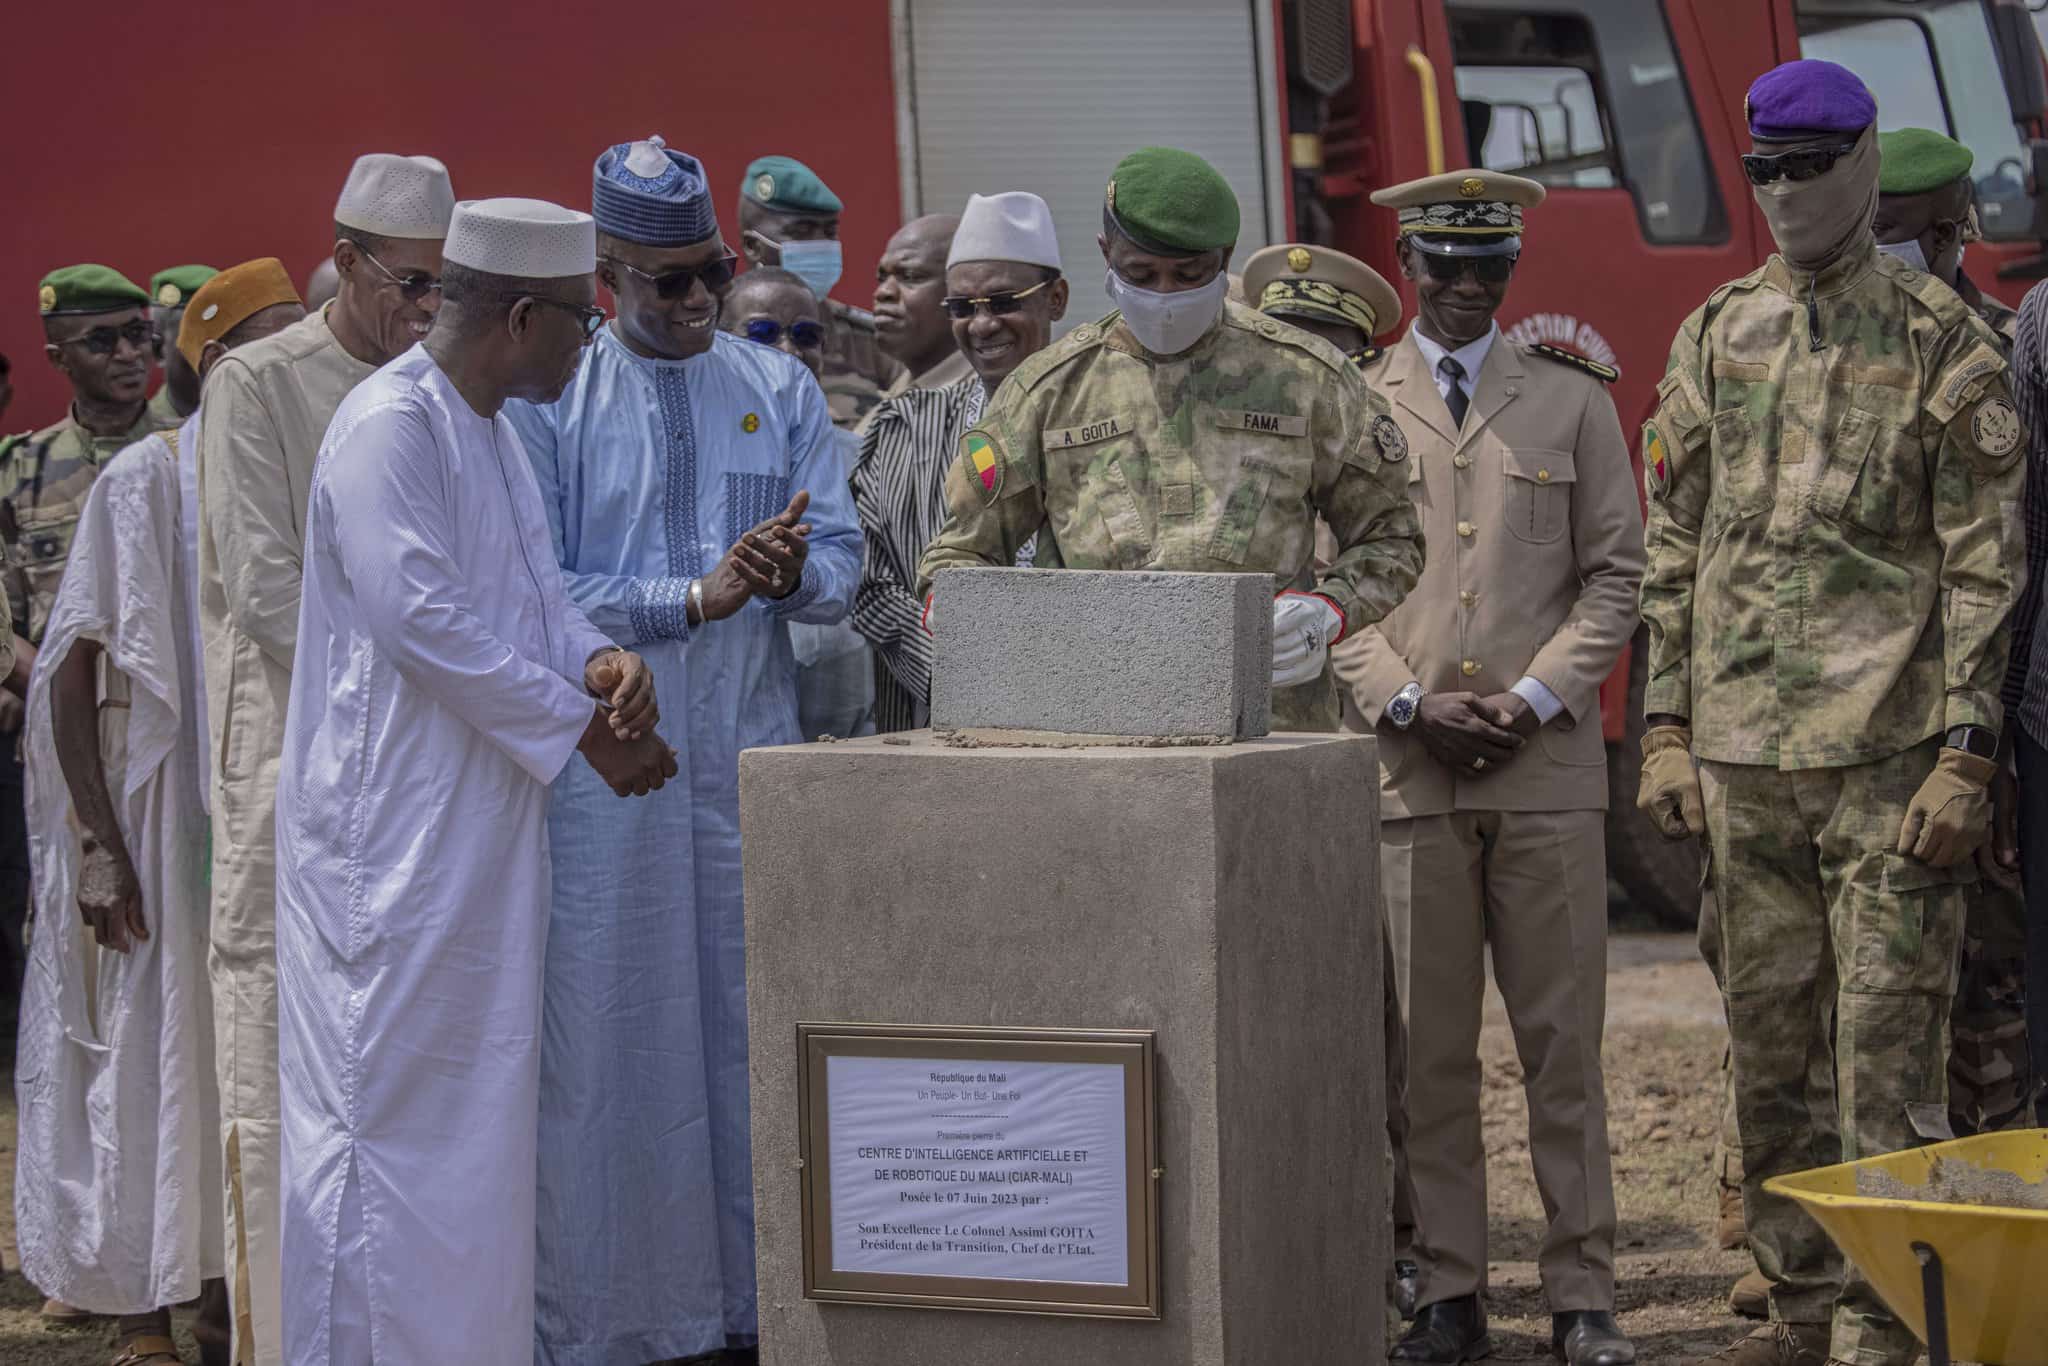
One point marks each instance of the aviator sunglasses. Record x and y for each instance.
(769, 332)
(589, 317)
(102, 341)
(413, 286)
(998, 305)
(674, 284)
(1801, 163)
(1491, 270)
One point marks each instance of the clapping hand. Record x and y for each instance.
(770, 558)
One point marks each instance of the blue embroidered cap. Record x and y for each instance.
(648, 193)
(1806, 97)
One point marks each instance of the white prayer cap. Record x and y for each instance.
(525, 237)
(1016, 226)
(395, 196)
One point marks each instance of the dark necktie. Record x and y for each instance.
(1454, 397)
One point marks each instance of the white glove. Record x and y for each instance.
(1303, 627)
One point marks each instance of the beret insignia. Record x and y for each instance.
(764, 188)
(1109, 196)
(1298, 260)
(170, 296)
(47, 298)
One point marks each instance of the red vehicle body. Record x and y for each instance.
(221, 132)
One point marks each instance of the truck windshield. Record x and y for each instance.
(1932, 65)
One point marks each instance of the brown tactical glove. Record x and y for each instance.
(1670, 793)
(1951, 813)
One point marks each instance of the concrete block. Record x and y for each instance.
(1080, 652)
(1225, 896)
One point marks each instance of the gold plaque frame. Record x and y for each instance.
(1135, 1050)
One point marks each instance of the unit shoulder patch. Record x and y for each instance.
(1995, 427)
(1607, 374)
(1388, 436)
(984, 462)
(1656, 459)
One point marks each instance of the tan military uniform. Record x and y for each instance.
(1530, 515)
(1216, 459)
(856, 373)
(43, 482)
(1833, 466)
(267, 407)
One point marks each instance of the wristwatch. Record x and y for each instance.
(1401, 711)
(1972, 740)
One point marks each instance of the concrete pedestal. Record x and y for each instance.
(1226, 897)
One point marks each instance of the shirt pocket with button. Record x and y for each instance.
(1537, 497)
(1742, 436)
(44, 547)
(1875, 479)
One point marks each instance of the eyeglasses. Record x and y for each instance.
(768, 332)
(103, 341)
(415, 286)
(1489, 270)
(674, 284)
(589, 317)
(998, 305)
(1801, 163)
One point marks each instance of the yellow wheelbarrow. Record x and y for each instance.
(1969, 1278)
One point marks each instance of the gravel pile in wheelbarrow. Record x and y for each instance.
(1958, 1183)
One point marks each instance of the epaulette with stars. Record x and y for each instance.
(1605, 373)
(1366, 355)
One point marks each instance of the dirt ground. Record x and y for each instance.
(1664, 1041)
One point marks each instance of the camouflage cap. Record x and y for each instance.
(786, 185)
(1168, 200)
(1919, 160)
(171, 287)
(88, 289)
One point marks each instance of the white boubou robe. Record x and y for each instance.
(118, 1178)
(436, 694)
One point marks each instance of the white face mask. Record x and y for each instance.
(1168, 324)
(1907, 251)
(817, 263)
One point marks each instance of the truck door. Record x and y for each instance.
(1048, 96)
(1619, 107)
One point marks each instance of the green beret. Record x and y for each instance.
(170, 288)
(786, 185)
(88, 289)
(1169, 200)
(1919, 160)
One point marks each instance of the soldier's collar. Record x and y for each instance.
(1838, 276)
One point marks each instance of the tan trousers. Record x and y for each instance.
(245, 1049)
(1533, 886)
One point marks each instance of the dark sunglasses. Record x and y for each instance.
(959, 307)
(103, 341)
(1801, 163)
(1490, 270)
(589, 317)
(414, 286)
(674, 284)
(769, 332)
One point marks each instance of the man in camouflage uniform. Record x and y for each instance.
(789, 217)
(100, 335)
(1185, 432)
(1926, 216)
(178, 396)
(1830, 463)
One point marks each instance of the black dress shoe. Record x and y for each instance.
(1407, 1286)
(1590, 1337)
(1445, 1333)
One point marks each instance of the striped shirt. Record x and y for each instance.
(2026, 677)
(899, 490)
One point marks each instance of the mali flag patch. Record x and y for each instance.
(1656, 459)
(982, 459)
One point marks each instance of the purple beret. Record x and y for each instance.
(1806, 97)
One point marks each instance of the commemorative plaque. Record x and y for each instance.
(980, 1168)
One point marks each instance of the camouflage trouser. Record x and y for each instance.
(1990, 1075)
(1827, 934)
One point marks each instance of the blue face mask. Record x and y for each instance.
(818, 264)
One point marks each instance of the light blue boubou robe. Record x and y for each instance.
(650, 470)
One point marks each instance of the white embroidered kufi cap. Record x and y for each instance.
(1016, 226)
(395, 196)
(523, 237)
